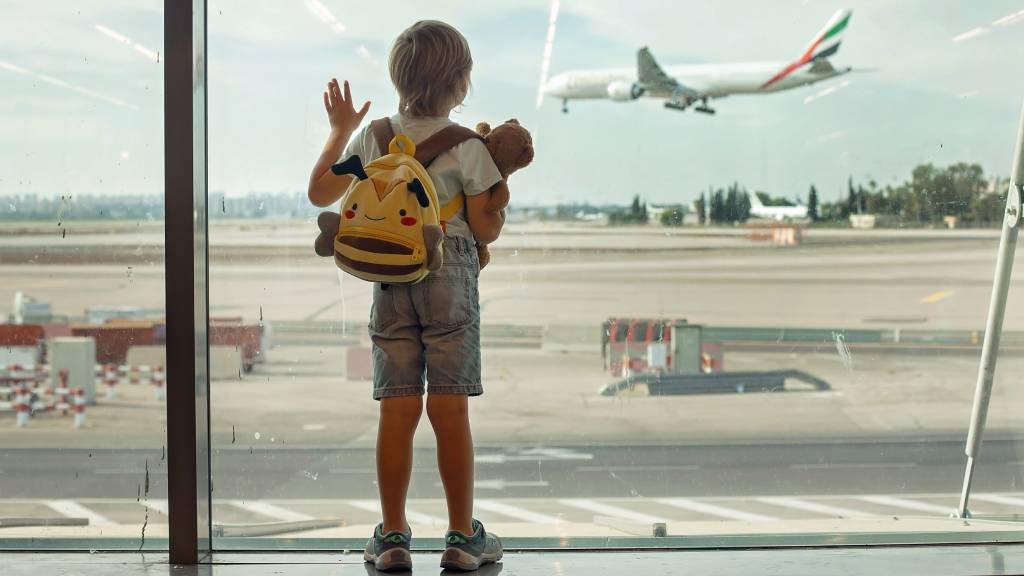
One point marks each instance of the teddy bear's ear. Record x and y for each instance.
(483, 128)
(512, 121)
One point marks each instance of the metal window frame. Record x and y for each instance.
(186, 250)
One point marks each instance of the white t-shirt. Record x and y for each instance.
(467, 167)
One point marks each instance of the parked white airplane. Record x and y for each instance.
(682, 86)
(759, 210)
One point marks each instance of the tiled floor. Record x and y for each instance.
(924, 561)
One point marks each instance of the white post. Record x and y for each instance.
(994, 325)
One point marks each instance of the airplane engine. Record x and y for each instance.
(624, 91)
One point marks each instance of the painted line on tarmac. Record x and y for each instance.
(411, 515)
(641, 468)
(609, 510)
(516, 512)
(270, 510)
(806, 506)
(73, 509)
(936, 297)
(128, 471)
(1000, 499)
(158, 505)
(852, 465)
(715, 510)
(908, 504)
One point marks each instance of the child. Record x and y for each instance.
(430, 329)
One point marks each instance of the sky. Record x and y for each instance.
(81, 92)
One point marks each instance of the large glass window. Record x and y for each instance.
(82, 413)
(760, 314)
(740, 294)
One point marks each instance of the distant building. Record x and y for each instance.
(654, 211)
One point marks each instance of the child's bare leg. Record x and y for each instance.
(449, 416)
(398, 418)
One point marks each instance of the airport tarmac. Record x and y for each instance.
(299, 403)
(549, 273)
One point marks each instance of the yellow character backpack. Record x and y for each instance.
(390, 226)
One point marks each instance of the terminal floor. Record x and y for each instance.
(906, 561)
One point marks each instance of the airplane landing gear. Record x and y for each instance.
(704, 107)
(565, 106)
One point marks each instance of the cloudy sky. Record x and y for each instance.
(81, 92)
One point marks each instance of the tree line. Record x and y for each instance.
(932, 194)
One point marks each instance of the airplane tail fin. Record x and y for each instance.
(755, 200)
(826, 43)
(823, 45)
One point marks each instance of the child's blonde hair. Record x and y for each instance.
(430, 65)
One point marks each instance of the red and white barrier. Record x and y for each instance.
(110, 379)
(159, 380)
(79, 407)
(27, 393)
(22, 402)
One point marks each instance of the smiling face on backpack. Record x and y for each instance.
(388, 227)
(391, 199)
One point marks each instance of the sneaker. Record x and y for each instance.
(389, 551)
(463, 552)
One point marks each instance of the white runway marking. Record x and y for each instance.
(270, 510)
(715, 510)
(515, 512)
(908, 504)
(825, 509)
(410, 514)
(1000, 499)
(609, 510)
(73, 509)
(157, 505)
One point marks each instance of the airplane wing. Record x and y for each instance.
(654, 81)
(651, 76)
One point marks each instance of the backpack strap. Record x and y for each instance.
(382, 133)
(428, 150)
(438, 143)
(442, 141)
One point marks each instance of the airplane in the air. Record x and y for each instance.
(759, 210)
(686, 85)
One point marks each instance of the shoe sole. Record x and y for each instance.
(455, 559)
(392, 560)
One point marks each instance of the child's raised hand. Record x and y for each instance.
(343, 116)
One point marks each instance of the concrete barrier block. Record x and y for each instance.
(225, 363)
(147, 356)
(77, 355)
(27, 356)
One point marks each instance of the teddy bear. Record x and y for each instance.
(511, 148)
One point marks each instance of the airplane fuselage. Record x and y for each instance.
(710, 80)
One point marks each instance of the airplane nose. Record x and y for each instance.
(557, 85)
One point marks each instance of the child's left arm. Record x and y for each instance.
(484, 221)
(480, 177)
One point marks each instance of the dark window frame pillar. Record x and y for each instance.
(186, 280)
